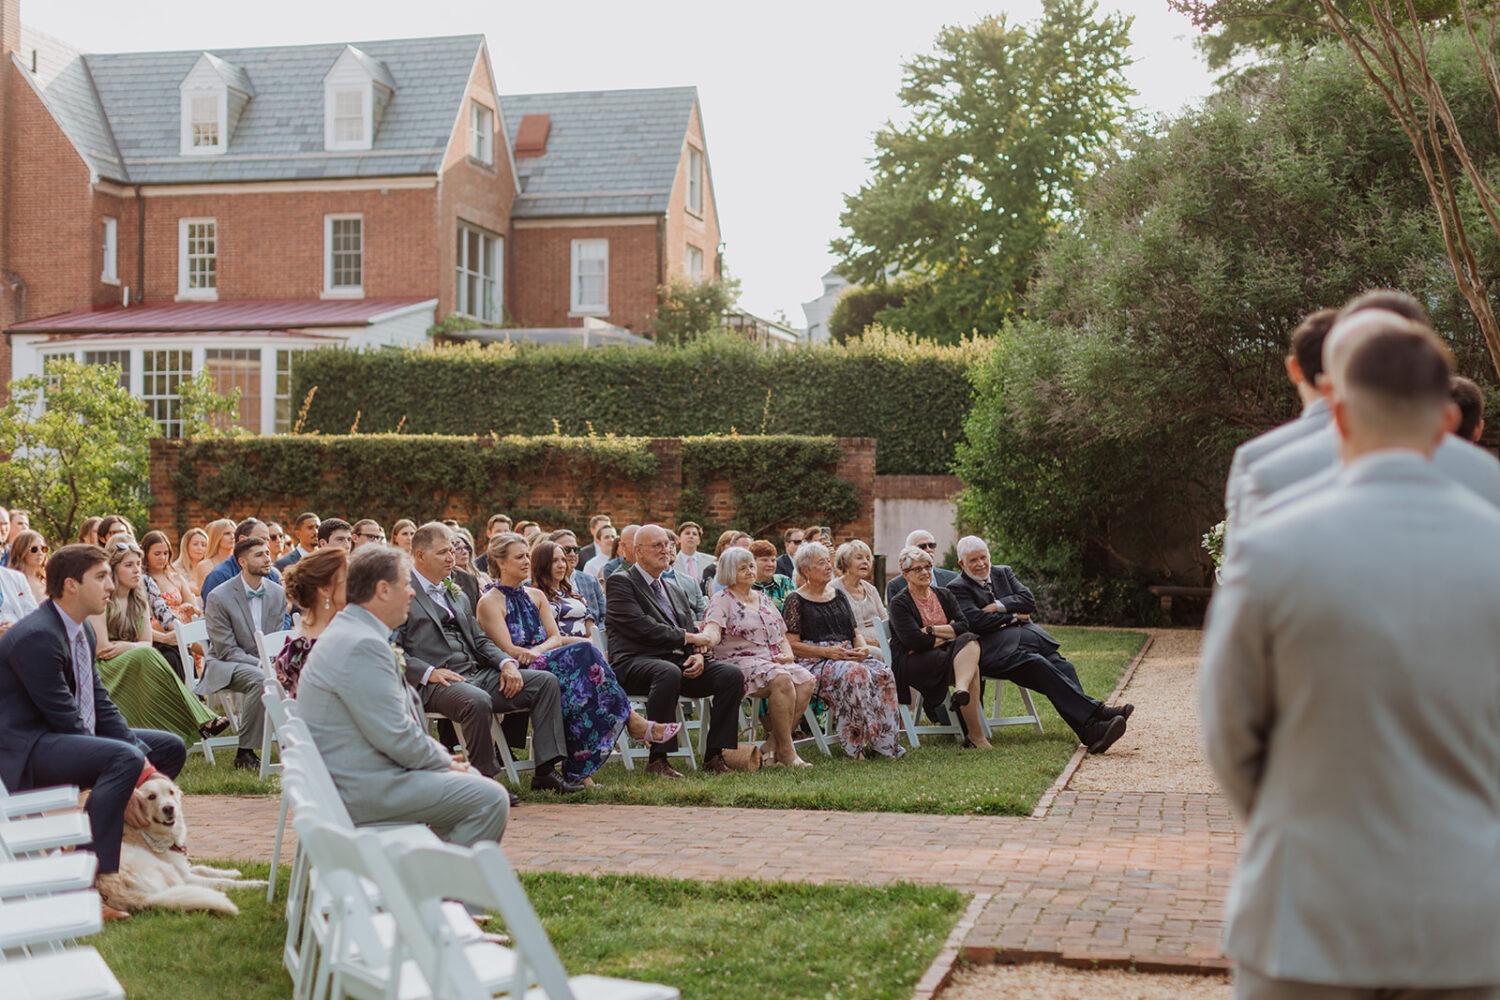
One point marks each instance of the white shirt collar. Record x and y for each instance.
(72, 627)
(427, 584)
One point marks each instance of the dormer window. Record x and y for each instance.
(355, 92)
(205, 125)
(214, 95)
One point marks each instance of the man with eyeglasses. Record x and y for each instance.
(366, 532)
(790, 540)
(277, 539)
(940, 577)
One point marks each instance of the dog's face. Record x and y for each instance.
(156, 807)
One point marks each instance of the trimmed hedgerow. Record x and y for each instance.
(773, 481)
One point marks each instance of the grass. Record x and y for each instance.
(726, 940)
(937, 777)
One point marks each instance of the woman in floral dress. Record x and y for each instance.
(315, 586)
(860, 690)
(748, 633)
(595, 707)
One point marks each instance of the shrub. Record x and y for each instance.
(774, 481)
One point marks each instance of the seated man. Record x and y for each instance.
(57, 724)
(461, 674)
(624, 552)
(940, 577)
(336, 531)
(366, 531)
(691, 588)
(248, 603)
(305, 534)
(651, 648)
(368, 726)
(230, 568)
(998, 608)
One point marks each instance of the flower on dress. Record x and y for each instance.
(596, 674)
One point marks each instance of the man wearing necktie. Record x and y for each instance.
(57, 724)
(249, 602)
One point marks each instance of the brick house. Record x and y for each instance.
(616, 196)
(180, 211)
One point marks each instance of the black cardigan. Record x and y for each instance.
(906, 629)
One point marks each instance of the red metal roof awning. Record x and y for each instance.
(215, 317)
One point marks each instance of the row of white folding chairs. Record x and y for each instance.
(47, 900)
(378, 919)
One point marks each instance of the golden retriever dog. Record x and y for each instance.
(154, 866)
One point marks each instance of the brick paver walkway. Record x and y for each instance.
(1115, 877)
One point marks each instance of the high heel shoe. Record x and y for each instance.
(957, 702)
(214, 728)
(660, 732)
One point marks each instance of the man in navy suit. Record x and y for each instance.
(57, 724)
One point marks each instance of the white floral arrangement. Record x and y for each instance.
(450, 587)
(1213, 541)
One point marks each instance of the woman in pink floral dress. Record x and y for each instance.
(748, 633)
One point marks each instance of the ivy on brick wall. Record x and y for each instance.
(390, 476)
(912, 396)
(774, 481)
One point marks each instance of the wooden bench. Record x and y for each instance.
(1165, 594)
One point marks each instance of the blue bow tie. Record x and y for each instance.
(257, 592)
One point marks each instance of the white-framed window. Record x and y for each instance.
(343, 255)
(479, 288)
(282, 398)
(693, 263)
(204, 121)
(121, 358)
(481, 133)
(695, 181)
(236, 368)
(590, 277)
(349, 118)
(109, 268)
(161, 374)
(198, 258)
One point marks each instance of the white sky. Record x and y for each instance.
(792, 92)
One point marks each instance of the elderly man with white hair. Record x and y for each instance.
(998, 608)
(941, 577)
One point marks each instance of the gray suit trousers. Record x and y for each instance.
(460, 808)
(472, 707)
(248, 681)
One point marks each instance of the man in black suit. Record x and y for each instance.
(940, 577)
(461, 674)
(57, 724)
(305, 533)
(998, 608)
(790, 540)
(652, 651)
(597, 524)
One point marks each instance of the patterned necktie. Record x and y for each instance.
(661, 598)
(83, 676)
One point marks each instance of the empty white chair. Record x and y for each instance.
(50, 919)
(268, 646)
(45, 875)
(71, 974)
(33, 835)
(37, 800)
(196, 633)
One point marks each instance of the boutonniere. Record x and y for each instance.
(400, 658)
(450, 587)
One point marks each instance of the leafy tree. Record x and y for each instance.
(1004, 122)
(687, 310)
(860, 308)
(78, 445)
(205, 411)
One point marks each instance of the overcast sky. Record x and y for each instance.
(791, 91)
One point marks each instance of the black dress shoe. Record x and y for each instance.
(247, 760)
(214, 728)
(515, 799)
(554, 782)
(1101, 735)
(1110, 712)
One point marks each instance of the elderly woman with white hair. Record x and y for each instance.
(860, 690)
(748, 633)
(932, 646)
(854, 564)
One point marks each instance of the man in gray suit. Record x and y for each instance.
(368, 726)
(1350, 704)
(461, 674)
(246, 603)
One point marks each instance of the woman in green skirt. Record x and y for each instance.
(145, 688)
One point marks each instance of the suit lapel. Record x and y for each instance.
(649, 595)
(424, 600)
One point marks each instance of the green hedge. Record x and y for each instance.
(775, 481)
(911, 396)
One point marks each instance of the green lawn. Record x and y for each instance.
(725, 940)
(937, 777)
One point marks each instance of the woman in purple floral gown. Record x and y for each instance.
(520, 621)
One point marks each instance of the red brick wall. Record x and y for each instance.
(683, 227)
(541, 268)
(918, 487)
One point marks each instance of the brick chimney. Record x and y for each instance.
(10, 26)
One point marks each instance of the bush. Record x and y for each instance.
(912, 396)
(775, 482)
(859, 309)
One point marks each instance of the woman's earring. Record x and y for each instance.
(327, 604)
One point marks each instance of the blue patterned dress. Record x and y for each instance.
(594, 705)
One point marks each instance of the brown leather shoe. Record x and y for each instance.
(662, 769)
(717, 764)
(110, 913)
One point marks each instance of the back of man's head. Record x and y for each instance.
(371, 565)
(1396, 387)
(1307, 343)
(245, 527)
(430, 536)
(1387, 300)
(1465, 392)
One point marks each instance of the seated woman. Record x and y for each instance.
(164, 581)
(401, 534)
(767, 581)
(747, 632)
(854, 564)
(860, 691)
(550, 575)
(142, 684)
(727, 540)
(595, 707)
(315, 586)
(932, 646)
(28, 556)
(220, 547)
(192, 549)
(88, 532)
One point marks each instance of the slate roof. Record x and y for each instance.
(610, 152)
(123, 111)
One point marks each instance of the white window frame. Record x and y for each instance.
(576, 305)
(462, 271)
(482, 133)
(331, 290)
(220, 97)
(183, 291)
(695, 180)
(109, 264)
(693, 256)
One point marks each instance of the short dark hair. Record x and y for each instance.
(1387, 300)
(328, 527)
(1466, 393)
(424, 537)
(685, 525)
(370, 565)
(786, 536)
(1403, 363)
(1307, 342)
(303, 518)
(243, 529)
(496, 519)
(71, 562)
(246, 545)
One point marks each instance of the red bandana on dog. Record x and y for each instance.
(147, 773)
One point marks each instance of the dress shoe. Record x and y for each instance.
(554, 782)
(1101, 734)
(214, 728)
(109, 913)
(937, 713)
(1110, 712)
(515, 799)
(662, 769)
(247, 760)
(716, 764)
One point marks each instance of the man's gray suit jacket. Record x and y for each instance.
(231, 633)
(1315, 416)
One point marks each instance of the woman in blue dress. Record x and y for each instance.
(520, 620)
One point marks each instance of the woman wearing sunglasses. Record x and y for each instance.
(28, 553)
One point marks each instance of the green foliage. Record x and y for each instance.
(776, 481)
(390, 476)
(861, 307)
(1269, 28)
(80, 451)
(453, 323)
(205, 411)
(1004, 122)
(688, 310)
(913, 396)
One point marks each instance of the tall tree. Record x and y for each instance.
(1003, 122)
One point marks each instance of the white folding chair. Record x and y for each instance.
(274, 701)
(189, 634)
(268, 646)
(71, 974)
(21, 838)
(995, 720)
(49, 921)
(630, 754)
(45, 875)
(37, 800)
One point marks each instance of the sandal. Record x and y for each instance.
(214, 728)
(664, 731)
(799, 762)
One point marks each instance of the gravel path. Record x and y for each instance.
(1040, 981)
